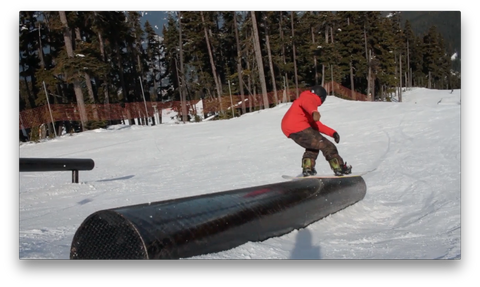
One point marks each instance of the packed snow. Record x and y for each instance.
(411, 209)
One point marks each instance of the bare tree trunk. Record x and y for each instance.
(288, 87)
(351, 81)
(40, 48)
(282, 40)
(214, 71)
(367, 58)
(314, 57)
(67, 35)
(331, 73)
(239, 63)
(323, 75)
(258, 55)
(119, 63)
(88, 82)
(400, 79)
(91, 95)
(323, 65)
(294, 56)
(326, 34)
(409, 80)
(369, 80)
(102, 52)
(372, 82)
(365, 40)
(101, 42)
(272, 73)
(249, 79)
(183, 97)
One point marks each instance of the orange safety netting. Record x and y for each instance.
(104, 112)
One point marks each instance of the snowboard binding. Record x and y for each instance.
(340, 169)
(308, 166)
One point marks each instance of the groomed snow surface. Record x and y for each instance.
(412, 209)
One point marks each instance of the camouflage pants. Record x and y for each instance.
(314, 142)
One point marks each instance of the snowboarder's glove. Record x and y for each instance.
(336, 136)
(316, 116)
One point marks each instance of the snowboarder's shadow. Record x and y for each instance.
(303, 246)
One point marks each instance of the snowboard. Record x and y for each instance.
(324, 176)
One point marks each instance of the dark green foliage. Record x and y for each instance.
(92, 125)
(115, 56)
(228, 114)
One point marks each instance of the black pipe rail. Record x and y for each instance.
(56, 164)
(185, 227)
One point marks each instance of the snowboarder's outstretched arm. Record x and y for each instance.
(324, 129)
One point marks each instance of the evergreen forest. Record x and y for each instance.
(88, 60)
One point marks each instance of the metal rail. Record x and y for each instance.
(56, 164)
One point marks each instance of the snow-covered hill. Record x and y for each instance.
(412, 209)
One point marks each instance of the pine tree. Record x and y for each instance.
(293, 20)
(435, 62)
(258, 56)
(108, 57)
(409, 47)
(280, 48)
(155, 65)
(170, 40)
(239, 61)
(370, 20)
(181, 69)
(117, 55)
(97, 22)
(383, 60)
(71, 68)
(351, 37)
(397, 47)
(328, 50)
(215, 76)
(251, 78)
(266, 25)
(29, 61)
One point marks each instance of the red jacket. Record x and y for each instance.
(299, 116)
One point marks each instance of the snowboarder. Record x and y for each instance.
(302, 124)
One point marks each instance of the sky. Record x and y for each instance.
(412, 209)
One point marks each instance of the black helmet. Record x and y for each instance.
(319, 91)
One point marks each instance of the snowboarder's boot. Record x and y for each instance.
(308, 166)
(339, 169)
